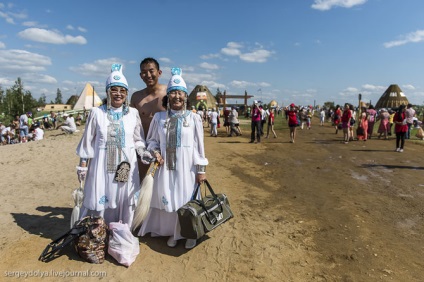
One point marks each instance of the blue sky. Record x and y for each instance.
(301, 51)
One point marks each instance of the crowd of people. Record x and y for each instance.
(26, 127)
(397, 121)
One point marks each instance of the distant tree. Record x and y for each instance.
(17, 100)
(42, 100)
(218, 95)
(2, 98)
(329, 105)
(72, 100)
(58, 99)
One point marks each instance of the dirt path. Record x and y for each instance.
(316, 210)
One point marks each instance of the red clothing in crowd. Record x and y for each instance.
(400, 127)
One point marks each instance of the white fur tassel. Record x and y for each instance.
(146, 191)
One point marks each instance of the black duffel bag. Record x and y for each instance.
(199, 216)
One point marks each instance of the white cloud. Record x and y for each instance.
(82, 29)
(242, 84)
(10, 17)
(165, 60)
(412, 37)
(208, 66)
(324, 5)
(264, 84)
(70, 27)
(408, 87)
(373, 88)
(38, 78)
(97, 68)
(7, 18)
(230, 52)
(30, 24)
(213, 85)
(23, 61)
(2, 45)
(50, 36)
(194, 78)
(256, 56)
(209, 56)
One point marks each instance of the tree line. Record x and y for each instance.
(16, 101)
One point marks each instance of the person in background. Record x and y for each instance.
(23, 126)
(271, 118)
(322, 117)
(78, 119)
(8, 134)
(233, 120)
(108, 149)
(346, 117)
(227, 111)
(37, 133)
(53, 119)
(256, 123)
(175, 139)
(392, 115)
(264, 115)
(293, 121)
(148, 101)
(214, 122)
(372, 115)
(68, 125)
(384, 126)
(200, 113)
(410, 114)
(363, 125)
(401, 128)
(2, 138)
(352, 123)
(337, 115)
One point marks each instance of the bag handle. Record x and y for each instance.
(197, 189)
(211, 219)
(61, 242)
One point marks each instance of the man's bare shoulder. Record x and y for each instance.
(138, 96)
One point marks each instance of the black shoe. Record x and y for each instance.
(251, 141)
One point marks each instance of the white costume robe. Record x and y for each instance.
(104, 196)
(173, 188)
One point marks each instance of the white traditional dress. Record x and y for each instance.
(173, 188)
(103, 195)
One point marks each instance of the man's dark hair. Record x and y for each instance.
(148, 61)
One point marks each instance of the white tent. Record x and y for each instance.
(88, 99)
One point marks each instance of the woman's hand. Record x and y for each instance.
(200, 177)
(158, 157)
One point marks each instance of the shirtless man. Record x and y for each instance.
(148, 101)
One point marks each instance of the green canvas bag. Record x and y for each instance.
(199, 216)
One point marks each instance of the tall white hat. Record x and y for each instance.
(176, 82)
(116, 77)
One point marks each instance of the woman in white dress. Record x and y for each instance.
(176, 139)
(107, 150)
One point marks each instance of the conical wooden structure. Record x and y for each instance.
(393, 97)
(201, 97)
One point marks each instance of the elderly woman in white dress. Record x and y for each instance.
(108, 162)
(175, 138)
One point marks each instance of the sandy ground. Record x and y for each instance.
(316, 210)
